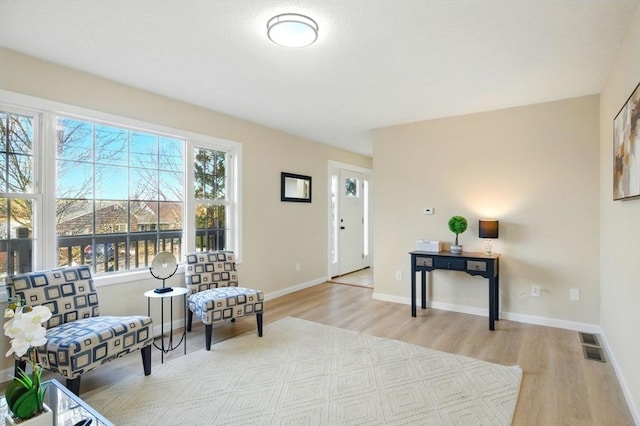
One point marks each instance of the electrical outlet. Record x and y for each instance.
(574, 294)
(399, 275)
(535, 290)
(297, 267)
(428, 210)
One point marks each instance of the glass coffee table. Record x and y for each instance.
(68, 409)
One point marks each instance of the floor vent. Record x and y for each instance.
(591, 347)
(589, 339)
(593, 353)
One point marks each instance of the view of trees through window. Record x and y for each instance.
(16, 192)
(120, 195)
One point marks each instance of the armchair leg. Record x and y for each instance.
(207, 335)
(74, 385)
(189, 319)
(146, 359)
(259, 321)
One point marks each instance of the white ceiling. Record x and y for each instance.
(376, 62)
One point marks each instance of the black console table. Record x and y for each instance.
(485, 265)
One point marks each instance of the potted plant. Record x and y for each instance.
(25, 393)
(457, 225)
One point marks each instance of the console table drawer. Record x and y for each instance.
(476, 265)
(453, 264)
(424, 261)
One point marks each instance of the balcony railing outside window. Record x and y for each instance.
(113, 253)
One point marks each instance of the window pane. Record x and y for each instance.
(16, 151)
(74, 217)
(111, 145)
(112, 217)
(75, 140)
(171, 184)
(211, 230)
(210, 174)
(144, 184)
(170, 216)
(111, 182)
(16, 236)
(351, 187)
(171, 154)
(74, 180)
(144, 150)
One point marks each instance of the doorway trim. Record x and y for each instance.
(333, 166)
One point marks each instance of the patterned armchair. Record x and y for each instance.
(213, 292)
(78, 339)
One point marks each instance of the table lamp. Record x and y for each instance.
(488, 229)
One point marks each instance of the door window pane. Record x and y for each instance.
(351, 187)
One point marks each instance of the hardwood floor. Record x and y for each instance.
(559, 386)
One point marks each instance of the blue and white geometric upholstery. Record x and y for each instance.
(78, 338)
(213, 293)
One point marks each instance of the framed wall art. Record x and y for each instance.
(626, 149)
(296, 188)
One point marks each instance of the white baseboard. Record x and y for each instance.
(295, 288)
(635, 411)
(527, 319)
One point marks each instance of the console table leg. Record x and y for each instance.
(492, 303)
(413, 293)
(424, 290)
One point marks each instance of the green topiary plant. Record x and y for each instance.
(457, 225)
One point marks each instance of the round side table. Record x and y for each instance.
(169, 346)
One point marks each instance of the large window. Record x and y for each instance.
(117, 193)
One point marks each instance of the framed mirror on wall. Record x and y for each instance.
(295, 188)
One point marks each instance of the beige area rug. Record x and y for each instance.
(304, 373)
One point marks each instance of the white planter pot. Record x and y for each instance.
(456, 249)
(43, 419)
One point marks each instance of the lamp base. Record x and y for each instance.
(488, 247)
(163, 290)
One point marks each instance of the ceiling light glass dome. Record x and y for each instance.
(292, 30)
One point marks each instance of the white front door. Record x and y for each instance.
(351, 221)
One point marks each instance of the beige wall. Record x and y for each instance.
(620, 229)
(535, 168)
(276, 235)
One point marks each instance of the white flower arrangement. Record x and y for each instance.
(25, 395)
(24, 327)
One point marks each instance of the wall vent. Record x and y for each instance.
(591, 347)
(589, 339)
(593, 353)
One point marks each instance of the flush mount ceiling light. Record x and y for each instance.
(292, 30)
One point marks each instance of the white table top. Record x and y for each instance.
(177, 291)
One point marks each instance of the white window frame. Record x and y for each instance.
(37, 194)
(45, 177)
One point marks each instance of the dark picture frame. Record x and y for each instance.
(626, 149)
(295, 188)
